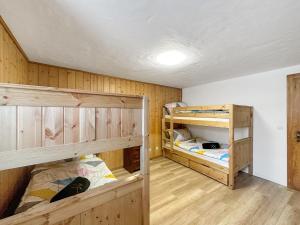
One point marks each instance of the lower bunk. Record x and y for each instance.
(100, 197)
(218, 166)
(206, 167)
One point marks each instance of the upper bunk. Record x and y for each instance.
(222, 116)
(41, 124)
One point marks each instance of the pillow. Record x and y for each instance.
(170, 106)
(200, 140)
(182, 134)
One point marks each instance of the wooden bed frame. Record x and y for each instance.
(241, 151)
(41, 125)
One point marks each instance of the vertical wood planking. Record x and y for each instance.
(115, 122)
(87, 123)
(87, 81)
(79, 80)
(62, 78)
(8, 128)
(29, 127)
(102, 123)
(52, 126)
(33, 74)
(14, 68)
(71, 79)
(79, 125)
(108, 123)
(13, 63)
(1, 54)
(131, 122)
(43, 75)
(71, 125)
(53, 77)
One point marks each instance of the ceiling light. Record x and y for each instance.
(170, 58)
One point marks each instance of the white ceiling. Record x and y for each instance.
(222, 39)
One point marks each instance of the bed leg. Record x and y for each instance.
(231, 184)
(250, 169)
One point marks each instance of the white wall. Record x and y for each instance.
(266, 92)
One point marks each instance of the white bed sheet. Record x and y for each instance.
(204, 157)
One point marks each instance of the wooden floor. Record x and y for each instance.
(181, 196)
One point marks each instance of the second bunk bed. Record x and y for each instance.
(222, 164)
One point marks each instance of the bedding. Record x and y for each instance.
(196, 147)
(49, 179)
(182, 134)
(169, 106)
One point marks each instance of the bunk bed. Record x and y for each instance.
(43, 127)
(240, 151)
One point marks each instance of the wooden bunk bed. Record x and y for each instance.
(40, 125)
(220, 116)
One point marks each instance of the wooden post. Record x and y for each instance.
(231, 148)
(250, 167)
(145, 163)
(171, 130)
(163, 134)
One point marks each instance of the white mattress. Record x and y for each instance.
(204, 157)
(199, 118)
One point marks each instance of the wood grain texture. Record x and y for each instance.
(38, 74)
(115, 203)
(240, 151)
(8, 128)
(180, 195)
(29, 127)
(52, 126)
(71, 125)
(87, 124)
(293, 130)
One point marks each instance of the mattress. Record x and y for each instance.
(225, 120)
(204, 157)
(48, 179)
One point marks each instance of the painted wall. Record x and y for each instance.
(266, 92)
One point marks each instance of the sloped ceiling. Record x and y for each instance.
(222, 39)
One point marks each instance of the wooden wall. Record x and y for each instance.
(15, 68)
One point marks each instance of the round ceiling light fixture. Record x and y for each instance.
(171, 58)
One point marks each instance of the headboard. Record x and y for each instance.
(40, 124)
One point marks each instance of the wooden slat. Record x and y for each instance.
(1, 54)
(144, 164)
(29, 127)
(31, 156)
(108, 122)
(33, 74)
(71, 125)
(101, 123)
(204, 123)
(43, 75)
(62, 210)
(63, 78)
(242, 153)
(115, 122)
(8, 127)
(29, 96)
(87, 123)
(203, 115)
(131, 122)
(207, 107)
(52, 126)
(108, 125)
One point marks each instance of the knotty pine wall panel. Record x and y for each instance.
(15, 68)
